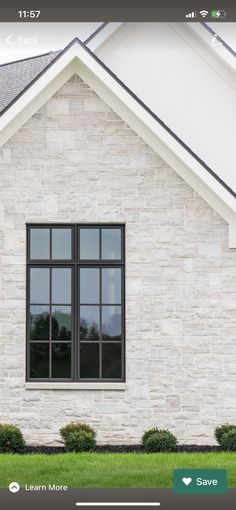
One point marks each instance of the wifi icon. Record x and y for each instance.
(204, 13)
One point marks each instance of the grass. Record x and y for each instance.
(108, 469)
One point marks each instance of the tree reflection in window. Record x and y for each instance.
(61, 323)
(88, 331)
(39, 323)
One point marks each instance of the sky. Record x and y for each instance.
(22, 40)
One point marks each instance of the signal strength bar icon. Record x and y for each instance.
(191, 15)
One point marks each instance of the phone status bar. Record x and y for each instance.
(105, 10)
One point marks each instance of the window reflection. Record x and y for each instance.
(89, 323)
(89, 360)
(61, 360)
(61, 243)
(89, 244)
(39, 285)
(111, 285)
(89, 285)
(111, 323)
(61, 323)
(39, 360)
(111, 361)
(61, 285)
(39, 243)
(111, 243)
(39, 322)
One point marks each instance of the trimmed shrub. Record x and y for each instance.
(78, 437)
(160, 440)
(221, 430)
(11, 438)
(80, 441)
(228, 440)
(149, 433)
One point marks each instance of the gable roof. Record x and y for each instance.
(57, 67)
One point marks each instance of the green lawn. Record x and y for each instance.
(108, 470)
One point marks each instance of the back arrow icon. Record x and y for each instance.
(8, 40)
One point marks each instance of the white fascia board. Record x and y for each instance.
(102, 36)
(225, 59)
(78, 60)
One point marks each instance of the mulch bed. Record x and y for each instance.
(190, 448)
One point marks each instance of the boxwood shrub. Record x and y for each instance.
(159, 440)
(228, 440)
(149, 433)
(221, 430)
(78, 437)
(11, 438)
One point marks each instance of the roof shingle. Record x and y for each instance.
(16, 76)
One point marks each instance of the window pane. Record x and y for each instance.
(89, 360)
(111, 323)
(111, 285)
(89, 243)
(39, 323)
(61, 243)
(39, 360)
(89, 285)
(61, 285)
(111, 243)
(39, 243)
(89, 323)
(111, 361)
(61, 360)
(61, 323)
(39, 285)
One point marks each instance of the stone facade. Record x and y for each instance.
(75, 160)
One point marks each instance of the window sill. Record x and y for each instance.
(75, 386)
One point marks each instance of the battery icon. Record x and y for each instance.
(218, 14)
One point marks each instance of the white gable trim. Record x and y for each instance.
(104, 35)
(224, 57)
(217, 57)
(78, 60)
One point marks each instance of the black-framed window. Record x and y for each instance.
(75, 302)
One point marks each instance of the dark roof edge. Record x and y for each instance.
(97, 31)
(137, 99)
(213, 32)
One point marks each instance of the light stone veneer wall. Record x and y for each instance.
(77, 161)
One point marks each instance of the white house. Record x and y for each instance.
(118, 235)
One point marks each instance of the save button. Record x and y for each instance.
(200, 481)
